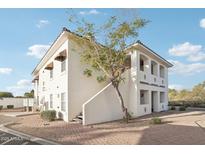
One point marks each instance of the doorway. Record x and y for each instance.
(154, 100)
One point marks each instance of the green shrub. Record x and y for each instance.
(10, 106)
(182, 108)
(48, 115)
(173, 108)
(1, 107)
(156, 120)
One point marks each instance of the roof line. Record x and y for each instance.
(139, 42)
(67, 30)
(64, 29)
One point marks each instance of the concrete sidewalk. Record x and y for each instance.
(17, 114)
(27, 137)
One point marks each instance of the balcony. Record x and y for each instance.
(144, 77)
(154, 80)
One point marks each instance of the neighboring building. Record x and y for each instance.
(59, 83)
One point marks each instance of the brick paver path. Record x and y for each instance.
(178, 128)
(6, 119)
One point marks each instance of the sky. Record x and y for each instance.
(176, 34)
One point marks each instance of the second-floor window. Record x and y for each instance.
(153, 68)
(51, 73)
(162, 72)
(63, 66)
(141, 65)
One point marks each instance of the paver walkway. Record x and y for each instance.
(6, 119)
(178, 128)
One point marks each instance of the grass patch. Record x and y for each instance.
(156, 120)
(182, 108)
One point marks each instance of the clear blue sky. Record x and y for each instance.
(175, 34)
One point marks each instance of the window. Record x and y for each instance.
(37, 101)
(43, 88)
(51, 100)
(141, 65)
(63, 102)
(162, 71)
(63, 66)
(153, 68)
(143, 96)
(162, 97)
(128, 61)
(51, 73)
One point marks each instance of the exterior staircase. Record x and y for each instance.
(78, 118)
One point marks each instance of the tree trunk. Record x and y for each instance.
(124, 109)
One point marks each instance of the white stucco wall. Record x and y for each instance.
(105, 105)
(56, 85)
(80, 87)
(17, 102)
(86, 94)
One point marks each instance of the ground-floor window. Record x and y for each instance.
(51, 100)
(63, 102)
(144, 97)
(162, 97)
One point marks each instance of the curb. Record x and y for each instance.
(200, 126)
(26, 136)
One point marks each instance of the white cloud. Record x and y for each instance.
(5, 70)
(186, 69)
(176, 86)
(21, 87)
(185, 49)
(202, 23)
(37, 50)
(91, 12)
(197, 57)
(23, 83)
(193, 53)
(42, 23)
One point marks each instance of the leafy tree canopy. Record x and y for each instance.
(29, 94)
(6, 94)
(109, 57)
(196, 94)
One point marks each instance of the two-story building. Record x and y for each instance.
(59, 83)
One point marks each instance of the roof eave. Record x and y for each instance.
(151, 51)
